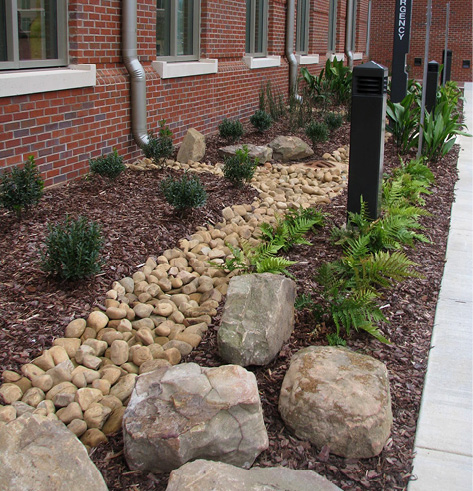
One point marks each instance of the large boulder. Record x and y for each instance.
(338, 398)
(257, 319)
(286, 148)
(202, 474)
(39, 454)
(260, 152)
(186, 412)
(192, 147)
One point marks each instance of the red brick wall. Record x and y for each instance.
(63, 129)
(459, 41)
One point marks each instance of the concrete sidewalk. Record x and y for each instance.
(443, 442)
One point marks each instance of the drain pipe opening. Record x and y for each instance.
(136, 71)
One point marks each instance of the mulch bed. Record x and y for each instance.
(137, 223)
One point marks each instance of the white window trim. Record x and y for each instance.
(20, 82)
(357, 56)
(185, 69)
(307, 59)
(336, 56)
(262, 62)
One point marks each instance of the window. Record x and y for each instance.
(256, 27)
(33, 33)
(332, 26)
(177, 30)
(302, 29)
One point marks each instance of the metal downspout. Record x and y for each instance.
(349, 33)
(136, 71)
(291, 58)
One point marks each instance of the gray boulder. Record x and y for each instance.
(39, 454)
(335, 397)
(216, 476)
(286, 148)
(258, 318)
(192, 147)
(262, 153)
(185, 412)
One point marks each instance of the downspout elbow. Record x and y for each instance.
(291, 58)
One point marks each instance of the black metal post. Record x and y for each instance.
(447, 64)
(402, 35)
(368, 113)
(432, 85)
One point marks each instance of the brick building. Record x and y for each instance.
(68, 69)
(460, 40)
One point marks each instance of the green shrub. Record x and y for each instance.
(333, 121)
(110, 165)
(230, 130)
(239, 167)
(21, 188)
(261, 120)
(316, 132)
(404, 120)
(184, 193)
(159, 147)
(73, 249)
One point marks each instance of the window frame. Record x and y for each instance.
(302, 31)
(12, 44)
(173, 57)
(332, 27)
(250, 30)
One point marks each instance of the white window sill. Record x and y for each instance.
(307, 59)
(266, 62)
(40, 80)
(357, 56)
(167, 69)
(336, 56)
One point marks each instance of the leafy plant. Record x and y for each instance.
(21, 188)
(440, 129)
(73, 249)
(304, 301)
(184, 193)
(159, 147)
(316, 132)
(339, 78)
(449, 93)
(333, 121)
(335, 340)
(110, 165)
(261, 120)
(404, 120)
(240, 167)
(231, 130)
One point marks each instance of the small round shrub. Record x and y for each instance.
(261, 120)
(316, 132)
(72, 249)
(230, 130)
(239, 167)
(110, 165)
(333, 121)
(21, 188)
(159, 147)
(187, 192)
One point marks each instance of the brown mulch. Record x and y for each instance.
(137, 223)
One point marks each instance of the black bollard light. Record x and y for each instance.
(368, 113)
(432, 85)
(447, 64)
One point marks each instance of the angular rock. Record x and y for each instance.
(186, 412)
(257, 319)
(40, 454)
(287, 148)
(338, 398)
(217, 476)
(192, 147)
(261, 152)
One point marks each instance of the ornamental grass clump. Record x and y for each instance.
(316, 132)
(110, 165)
(333, 121)
(184, 193)
(21, 188)
(73, 249)
(160, 146)
(240, 168)
(230, 130)
(261, 120)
